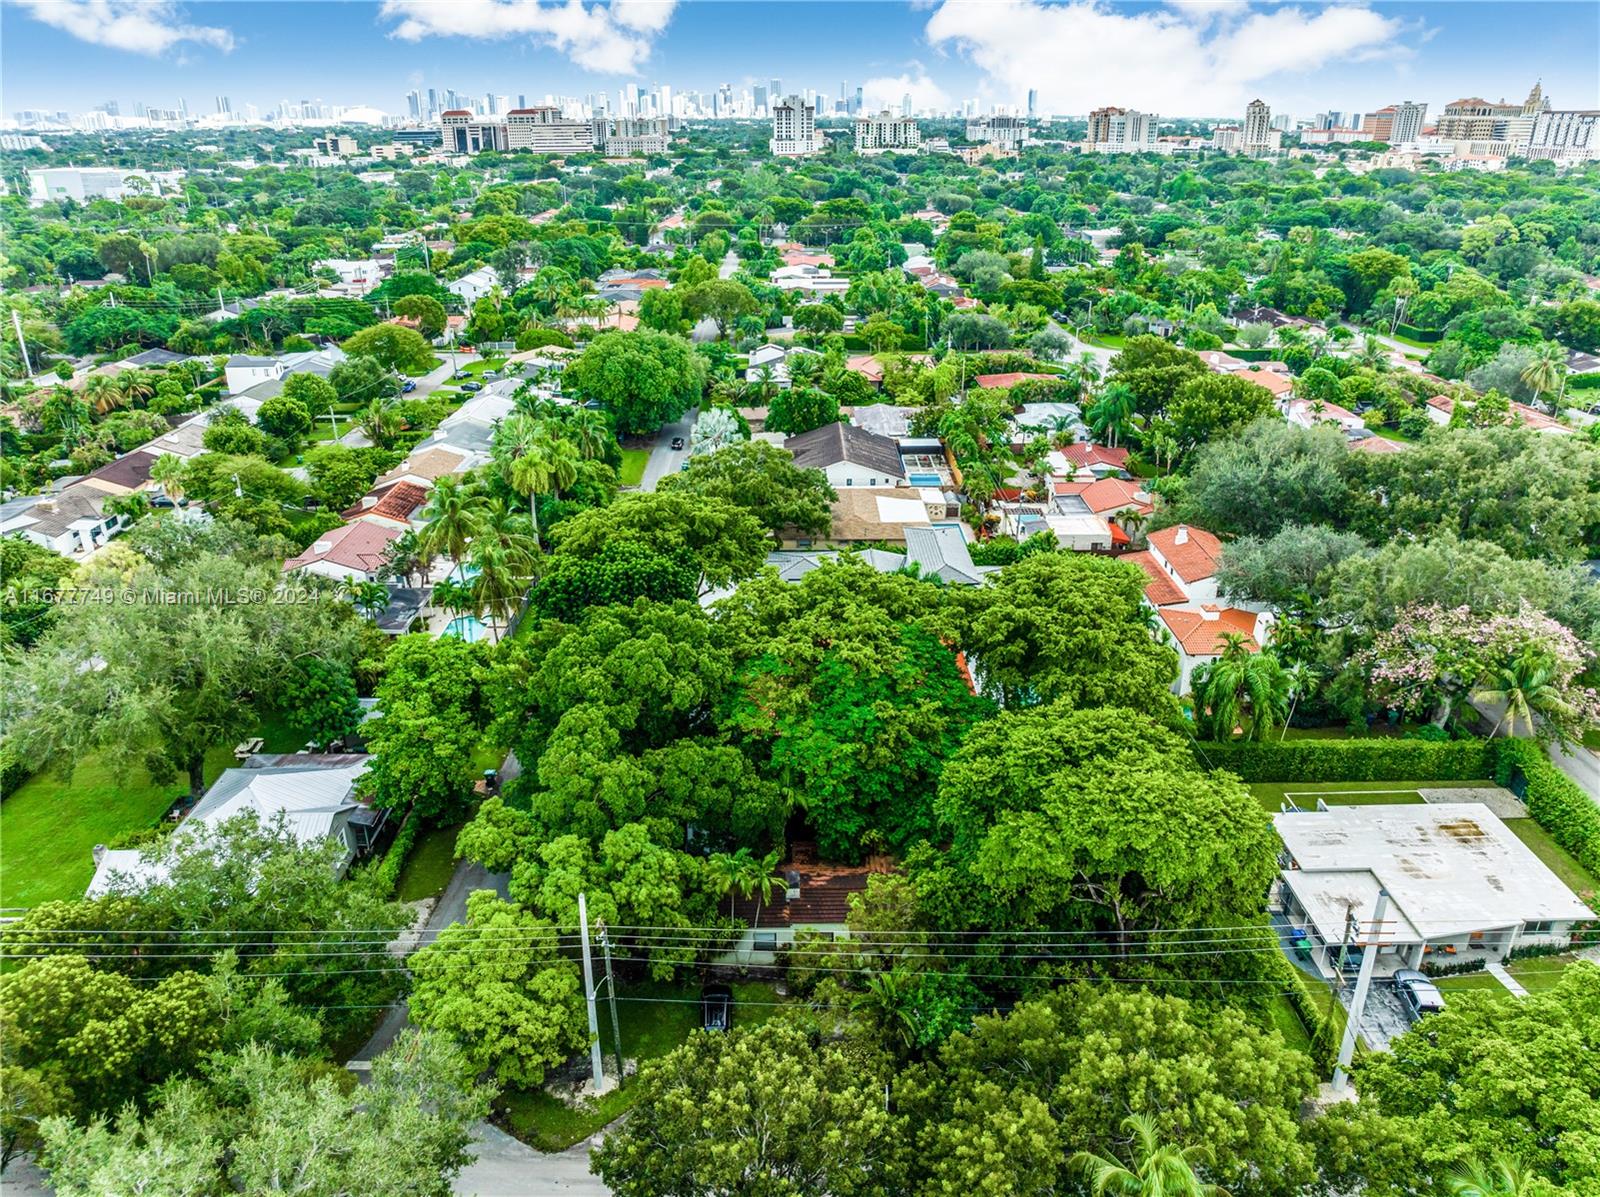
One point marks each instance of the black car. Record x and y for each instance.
(716, 1008)
(472, 387)
(677, 442)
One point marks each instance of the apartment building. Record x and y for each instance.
(1395, 124)
(629, 136)
(466, 134)
(336, 145)
(794, 128)
(1566, 136)
(886, 131)
(1259, 137)
(1505, 127)
(1122, 131)
(544, 130)
(1006, 132)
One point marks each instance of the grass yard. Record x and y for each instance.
(1347, 793)
(419, 370)
(633, 463)
(49, 826)
(1540, 972)
(1560, 862)
(1591, 738)
(1464, 982)
(656, 1017)
(427, 870)
(1287, 1022)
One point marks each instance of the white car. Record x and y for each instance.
(1418, 994)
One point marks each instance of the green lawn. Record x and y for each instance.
(49, 826)
(1558, 859)
(1348, 793)
(1540, 972)
(1461, 982)
(1287, 1022)
(1591, 738)
(633, 463)
(433, 364)
(656, 1017)
(481, 364)
(427, 870)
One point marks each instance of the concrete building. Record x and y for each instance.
(794, 128)
(1461, 885)
(1498, 130)
(631, 136)
(545, 131)
(1122, 131)
(1259, 137)
(1006, 132)
(1566, 136)
(85, 183)
(1395, 123)
(886, 131)
(466, 134)
(1227, 138)
(336, 145)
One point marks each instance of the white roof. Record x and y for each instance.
(309, 798)
(485, 407)
(123, 869)
(1450, 868)
(901, 511)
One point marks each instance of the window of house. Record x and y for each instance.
(849, 481)
(766, 941)
(1538, 927)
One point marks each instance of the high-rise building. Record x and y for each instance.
(1005, 132)
(224, 106)
(1395, 123)
(860, 103)
(1122, 131)
(632, 135)
(905, 104)
(886, 131)
(1259, 135)
(1476, 119)
(794, 128)
(1565, 136)
(774, 91)
(544, 130)
(760, 99)
(1033, 102)
(414, 105)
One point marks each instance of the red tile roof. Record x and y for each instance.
(359, 546)
(1379, 444)
(865, 364)
(990, 381)
(1107, 496)
(1202, 637)
(1161, 590)
(1272, 381)
(1194, 557)
(402, 499)
(825, 893)
(1084, 454)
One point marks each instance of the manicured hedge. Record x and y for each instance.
(1583, 382)
(1377, 759)
(388, 869)
(1556, 802)
(1264, 354)
(13, 771)
(1426, 335)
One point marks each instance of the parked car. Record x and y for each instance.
(407, 387)
(472, 388)
(463, 373)
(677, 442)
(716, 1008)
(491, 374)
(1418, 994)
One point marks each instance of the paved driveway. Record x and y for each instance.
(504, 1167)
(664, 459)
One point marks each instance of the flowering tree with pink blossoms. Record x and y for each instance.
(1524, 666)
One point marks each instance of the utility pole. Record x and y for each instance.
(588, 994)
(1369, 957)
(611, 997)
(22, 342)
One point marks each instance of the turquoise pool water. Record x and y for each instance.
(467, 627)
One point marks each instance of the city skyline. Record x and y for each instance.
(1346, 57)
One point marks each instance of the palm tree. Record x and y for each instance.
(1302, 680)
(1503, 1177)
(1240, 681)
(102, 393)
(1087, 371)
(380, 423)
(1546, 371)
(1527, 688)
(887, 1001)
(168, 473)
(135, 385)
(723, 871)
(503, 576)
(526, 455)
(762, 386)
(1155, 1169)
(757, 877)
(70, 415)
(1111, 413)
(1373, 355)
(452, 516)
(589, 432)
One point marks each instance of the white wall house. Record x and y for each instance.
(245, 370)
(849, 456)
(473, 286)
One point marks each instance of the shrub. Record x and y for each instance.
(1453, 969)
(387, 870)
(1378, 759)
(1556, 802)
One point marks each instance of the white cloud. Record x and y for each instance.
(887, 91)
(1192, 58)
(139, 26)
(611, 39)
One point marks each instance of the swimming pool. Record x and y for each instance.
(467, 627)
(925, 480)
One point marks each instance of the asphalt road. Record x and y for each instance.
(664, 459)
(504, 1167)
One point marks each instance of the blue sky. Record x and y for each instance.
(1201, 58)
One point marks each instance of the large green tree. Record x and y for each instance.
(763, 479)
(644, 379)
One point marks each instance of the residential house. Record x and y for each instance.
(869, 515)
(991, 382)
(811, 280)
(775, 359)
(1181, 563)
(885, 419)
(815, 899)
(1066, 517)
(941, 552)
(1097, 461)
(1461, 885)
(245, 370)
(123, 476)
(424, 467)
(71, 522)
(314, 795)
(849, 456)
(396, 506)
(1308, 413)
(355, 551)
(1441, 408)
(473, 286)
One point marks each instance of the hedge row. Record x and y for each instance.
(1556, 802)
(1583, 382)
(13, 771)
(1379, 759)
(388, 869)
(1426, 335)
(1263, 354)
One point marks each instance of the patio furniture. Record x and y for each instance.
(247, 749)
